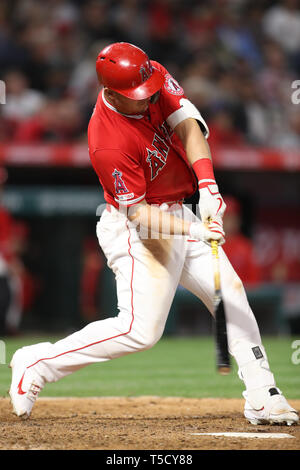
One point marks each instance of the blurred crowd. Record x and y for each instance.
(236, 60)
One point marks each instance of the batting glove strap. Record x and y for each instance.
(208, 183)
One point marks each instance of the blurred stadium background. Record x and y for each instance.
(237, 61)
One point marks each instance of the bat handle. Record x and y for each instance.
(214, 248)
(216, 266)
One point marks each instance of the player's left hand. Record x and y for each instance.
(211, 204)
(208, 232)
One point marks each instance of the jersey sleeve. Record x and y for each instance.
(176, 107)
(120, 175)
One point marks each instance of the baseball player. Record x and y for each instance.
(147, 144)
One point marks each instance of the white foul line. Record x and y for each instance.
(258, 435)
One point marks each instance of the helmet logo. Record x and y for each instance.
(146, 72)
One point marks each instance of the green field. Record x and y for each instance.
(173, 367)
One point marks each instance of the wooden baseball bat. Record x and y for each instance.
(220, 327)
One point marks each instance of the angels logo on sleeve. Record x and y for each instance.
(172, 86)
(122, 192)
(120, 186)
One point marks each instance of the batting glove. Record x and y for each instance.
(208, 232)
(211, 204)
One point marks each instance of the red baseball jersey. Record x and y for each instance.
(139, 157)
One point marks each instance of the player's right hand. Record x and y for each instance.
(208, 232)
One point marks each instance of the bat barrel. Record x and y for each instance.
(222, 353)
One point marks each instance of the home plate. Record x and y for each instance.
(249, 435)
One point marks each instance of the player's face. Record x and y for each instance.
(125, 105)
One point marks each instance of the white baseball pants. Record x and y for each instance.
(147, 273)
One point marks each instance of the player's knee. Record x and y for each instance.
(148, 339)
(148, 342)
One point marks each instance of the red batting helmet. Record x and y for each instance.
(126, 69)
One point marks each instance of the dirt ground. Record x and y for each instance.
(149, 423)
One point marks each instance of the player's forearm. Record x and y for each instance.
(193, 140)
(158, 221)
(197, 150)
(211, 203)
